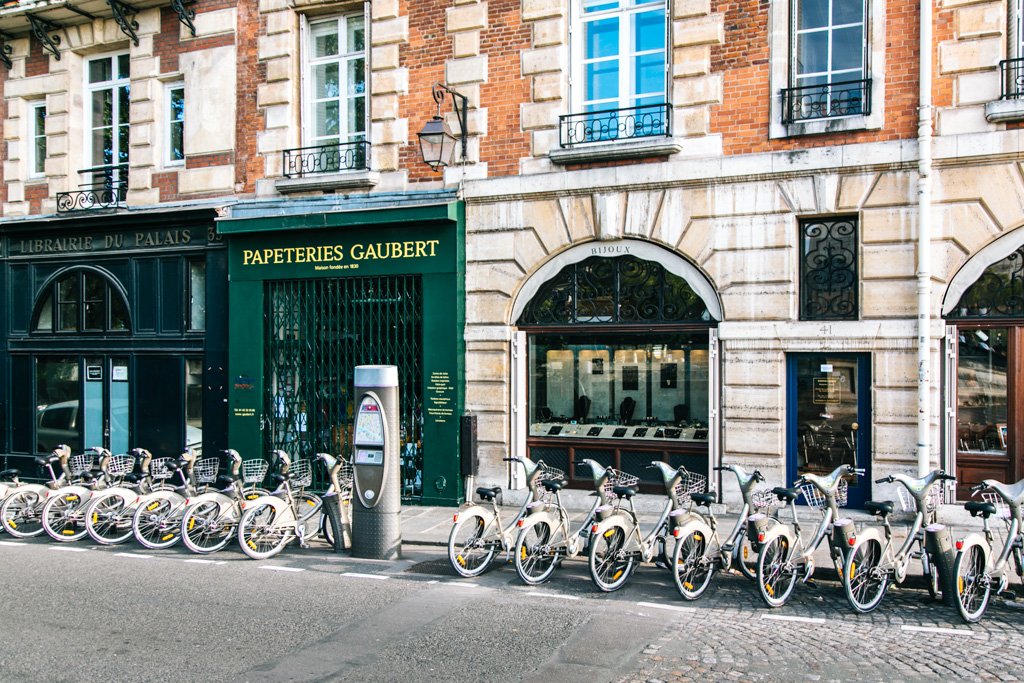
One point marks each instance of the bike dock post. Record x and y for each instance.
(377, 504)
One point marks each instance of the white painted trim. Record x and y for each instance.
(673, 262)
(976, 266)
(168, 87)
(31, 137)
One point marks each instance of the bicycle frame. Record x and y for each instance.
(557, 517)
(491, 514)
(1012, 542)
(708, 524)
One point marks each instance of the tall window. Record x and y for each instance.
(107, 93)
(175, 123)
(37, 144)
(623, 53)
(197, 295)
(829, 69)
(336, 83)
(81, 301)
(828, 269)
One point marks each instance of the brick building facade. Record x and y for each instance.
(692, 227)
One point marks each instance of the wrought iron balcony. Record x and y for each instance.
(650, 120)
(1012, 73)
(847, 98)
(334, 158)
(107, 189)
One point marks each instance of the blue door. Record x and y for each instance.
(828, 416)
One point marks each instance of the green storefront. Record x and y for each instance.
(315, 291)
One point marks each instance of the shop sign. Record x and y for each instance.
(826, 390)
(340, 256)
(106, 242)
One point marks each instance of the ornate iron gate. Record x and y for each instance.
(317, 332)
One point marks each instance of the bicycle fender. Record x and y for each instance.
(975, 539)
(605, 525)
(210, 497)
(74, 490)
(867, 534)
(38, 489)
(537, 517)
(282, 511)
(691, 525)
(776, 531)
(474, 509)
(127, 494)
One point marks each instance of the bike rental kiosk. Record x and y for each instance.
(377, 509)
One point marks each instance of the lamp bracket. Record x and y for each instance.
(459, 106)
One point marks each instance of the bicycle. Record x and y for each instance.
(783, 554)
(108, 514)
(269, 523)
(478, 533)
(63, 513)
(209, 519)
(977, 567)
(618, 546)
(873, 562)
(156, 523)
(337, 500)
(544, 537)
(700, 553)
(21, 511)
(9, 480)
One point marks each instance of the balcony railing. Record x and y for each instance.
(649, 120)
(106, 189)
(1012, 73)
(847, 98)
(333, 158)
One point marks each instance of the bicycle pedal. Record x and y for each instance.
(1009, 596)
(810, 582)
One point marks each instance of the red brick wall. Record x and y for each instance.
(35, 193)
(38, 61)
(424, 56)
(743, 117)
(502, 41)
(249, 121)
(167, 44)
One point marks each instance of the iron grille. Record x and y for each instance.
(825, 101)
(333, 158)
(317, 332)
(1012, 71)
(622, 289)
(828, 269)
(107, 189)
(644, 121)
(998, 293)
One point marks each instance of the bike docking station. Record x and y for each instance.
(377, 505)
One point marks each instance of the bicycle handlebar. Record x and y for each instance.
(977, 488)
(884, 480)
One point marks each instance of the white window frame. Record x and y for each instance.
(169, 123)
(308, 117)
(114, 84)
(1015, 30)
(578, 94)
(783, 46)
(34, 134)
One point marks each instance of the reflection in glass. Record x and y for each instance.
(982, 424)
(197, 295)
(826, 413)
(58, 396)
(194, 404)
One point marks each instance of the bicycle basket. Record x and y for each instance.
(815, 499)
(302, 473)
(617, 478)
(908, 504)
(80, 464)
(158, 468)
(205, 471)
(345, 474)
(254, 471)
(762, 500)
(1002, 511)
(549, 473)
(120, 465)
(689, 482)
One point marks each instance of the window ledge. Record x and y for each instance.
(838, 124)
(1004, 110)
(329, 181)
(613, 151)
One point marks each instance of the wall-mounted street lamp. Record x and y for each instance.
(437, 142)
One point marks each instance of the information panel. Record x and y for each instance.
(369, 427)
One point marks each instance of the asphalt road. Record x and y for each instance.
(79, 612)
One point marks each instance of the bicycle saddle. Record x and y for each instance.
(488, 494)
(977, 507)
(9, 474)
(879, 507)
(788, 495)
(43, 461)
(132, 478)
(626, 492)
(228, 479)
(703, 498)
(554, 484)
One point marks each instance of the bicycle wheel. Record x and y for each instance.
(610, 565)
(20, 514)
(473, 544)
(745, 558)
(537, 553)
(157, 523)
(108, 519)
(775, 578)
(973, 587)
(260, 535)
(63, 517)
(205, 529)
(692, 566)
(863, 582)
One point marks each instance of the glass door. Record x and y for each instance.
(82, 402)
(829, 412)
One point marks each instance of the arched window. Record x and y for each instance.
(82, 300)
(998, 293)
(623, 289)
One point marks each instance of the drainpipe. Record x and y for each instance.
(924, 238)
